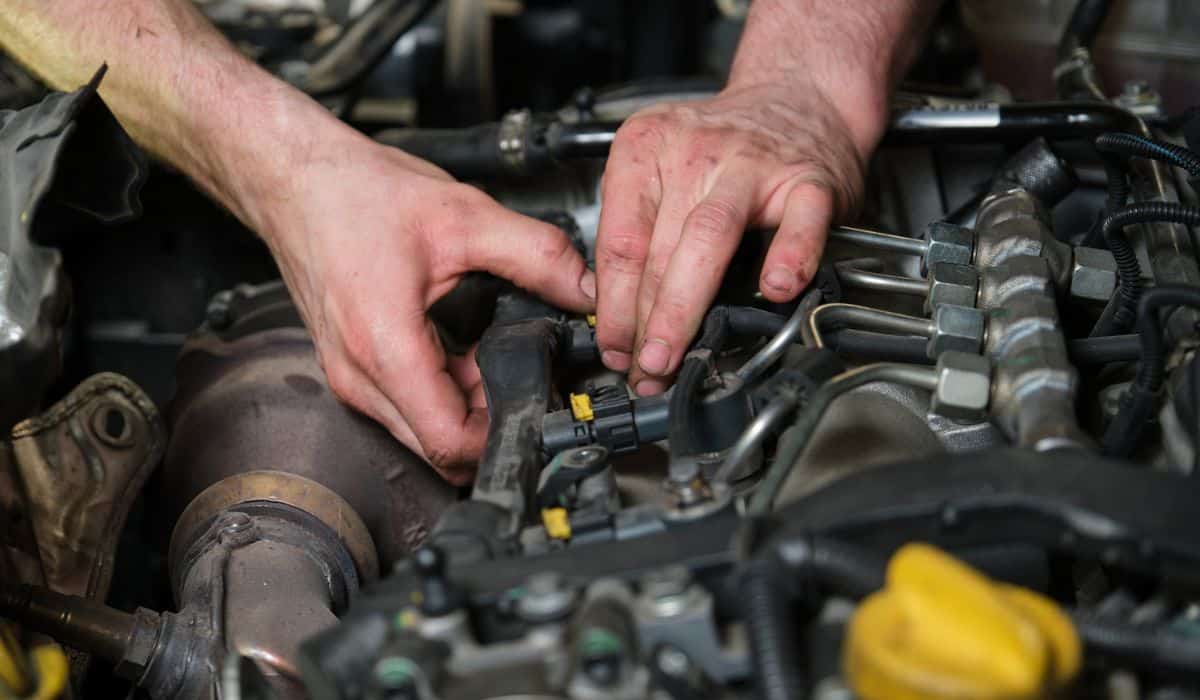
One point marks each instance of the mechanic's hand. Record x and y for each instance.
(682, 184)
(368, 239)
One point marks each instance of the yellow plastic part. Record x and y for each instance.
(52, 670)
(581, 407)
(940, 629)
(557, 524)
(591, 320)
(13, 676)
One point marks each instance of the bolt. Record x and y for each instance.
(236, 528)
(667, 582)
(583, 457)
(672, 661)
(546, 598)
(1135, 88)
(218, 314)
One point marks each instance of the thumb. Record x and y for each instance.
(534, 255)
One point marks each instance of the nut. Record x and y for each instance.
(951, 284)
(1093, 274)
(948, 243)
(964, 384)
(959, 328)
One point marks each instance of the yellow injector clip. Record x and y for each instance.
(581, 407)
(940, 629)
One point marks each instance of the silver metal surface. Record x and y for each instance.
(956, 329)
(878, 240)
(879, 282)
(770, 353)
(1093, 274)
(963, 388)
(953, 284)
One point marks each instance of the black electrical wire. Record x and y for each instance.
(769, 610)
(1122, 311)
(1135, 146)
(1137, 404)
(773, 588)
(1117, 148)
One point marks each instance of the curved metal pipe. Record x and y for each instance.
(766, 422)
(856, 277)
(865, 318)
(778, 345)
(796, 438)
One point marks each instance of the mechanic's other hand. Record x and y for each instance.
(682, 184)
(368, 238)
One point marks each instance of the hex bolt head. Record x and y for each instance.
(1093, 274)
(948, 243)
(964, 386)
(953, 284)
(546, 598)
(956, 328)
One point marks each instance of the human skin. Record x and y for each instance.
(368, 238)
(784, 145)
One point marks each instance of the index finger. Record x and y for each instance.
(417, 382)
(630, 198)
(710, 237)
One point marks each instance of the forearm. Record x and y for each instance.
(853, 50)
(179, 88)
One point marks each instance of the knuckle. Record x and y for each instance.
(614, 335)
(624, 252)
(445, 457)
(713, 220)
(343, 382)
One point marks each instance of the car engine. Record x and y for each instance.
(962, 464)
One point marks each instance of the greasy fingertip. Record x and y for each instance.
(655, 356)
(780, 284)
(616, 360)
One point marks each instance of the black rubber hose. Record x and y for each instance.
(697, 365)
(752, 322)
(1145, 648)
(1104, 349)
(867, 345)
(1083, 27)
(768, 608)
(1137, 404)
(1129, 274)
(832, 566)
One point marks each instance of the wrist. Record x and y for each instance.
(252, 141)
(860, 102)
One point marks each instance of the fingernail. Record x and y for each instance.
(587, 284)
(616, 360)
(650, 387)
(780, 279)
(654, 356)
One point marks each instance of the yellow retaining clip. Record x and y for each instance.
(557, 523)
(581, 407)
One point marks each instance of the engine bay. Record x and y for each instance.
(961, 464)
